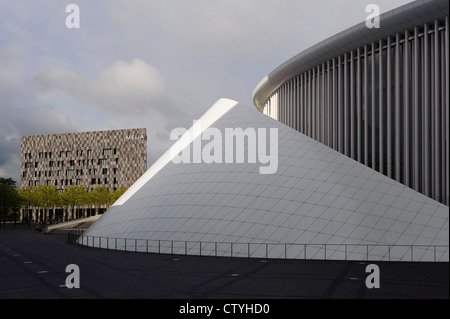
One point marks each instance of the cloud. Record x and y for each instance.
(122, 87)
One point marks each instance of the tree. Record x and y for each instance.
(74, 196)
(115, 195)
(28, 197)
(10, 200)
(100, 196)
(46, 197)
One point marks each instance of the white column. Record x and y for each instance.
(406, 112)
(380, 108)
(397, 109)
(389, 108)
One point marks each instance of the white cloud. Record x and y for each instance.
(120, 88)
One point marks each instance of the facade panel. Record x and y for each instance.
(389, 103)
(114, 159)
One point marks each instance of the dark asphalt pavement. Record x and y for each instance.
(32, 266)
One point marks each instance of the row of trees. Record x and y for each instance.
(46, 197)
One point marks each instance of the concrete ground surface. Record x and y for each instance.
(33, 266)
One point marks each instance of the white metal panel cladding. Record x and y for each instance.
(317, 198)
(384, 104)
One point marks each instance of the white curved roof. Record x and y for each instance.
(398, 20)
(317, 196)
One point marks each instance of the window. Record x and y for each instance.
(115, 170)
(104, 171)
(41, 154)
(60, 191)
(60, 163)
(61, 154)
(70, 172)
(36, 164)
(106, 181)
(102, 161)
(93, 181)
(50, 154)
(56, 183)
(51, 163)
(115, 151)
(68, 154)
(89, 152)
(36, 183)
(107, 151)
(90, 171)
(49, 182)
(115, 181)
(95, 171)
(30, 183)
(78, 182)
(24, 174)
(46, 155)
(71, 163)
(49, 173)
(59, 173)
(28, 165)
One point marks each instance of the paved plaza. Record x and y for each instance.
(33, 265)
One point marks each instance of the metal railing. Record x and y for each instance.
(355, 252)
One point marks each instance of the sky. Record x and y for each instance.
(144, 63)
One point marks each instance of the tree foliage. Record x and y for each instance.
(10, 200)
(13, 198)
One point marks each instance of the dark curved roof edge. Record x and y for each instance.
(398, 20)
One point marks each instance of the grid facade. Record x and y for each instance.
(317, 198)
(114, 158)
(382, 99)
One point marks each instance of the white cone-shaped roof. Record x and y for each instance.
(317, 196)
